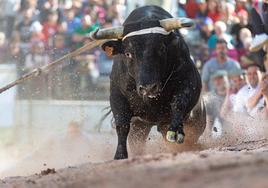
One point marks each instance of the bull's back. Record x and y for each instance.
(146, 13)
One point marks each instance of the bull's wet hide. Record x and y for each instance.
(153, 77)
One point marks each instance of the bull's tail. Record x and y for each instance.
(99, 124)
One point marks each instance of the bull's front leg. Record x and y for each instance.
(122, 115)
(121, 150)
(179, 111)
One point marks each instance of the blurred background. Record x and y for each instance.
(72, 97)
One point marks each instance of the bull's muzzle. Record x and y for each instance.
(150, 91)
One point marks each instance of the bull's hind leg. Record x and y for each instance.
(138, 134)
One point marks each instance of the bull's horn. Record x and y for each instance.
(107, 33)
(176, 23)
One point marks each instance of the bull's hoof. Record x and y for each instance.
(171, 136)
(175, 137)
(120, 155)
(180, 138)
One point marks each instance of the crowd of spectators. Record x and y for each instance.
(235, 79)
(36, 32)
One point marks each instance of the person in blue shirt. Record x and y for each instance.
(220, 62)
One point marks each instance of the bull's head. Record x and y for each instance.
(146, 47)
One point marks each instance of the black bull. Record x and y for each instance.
(153, 82)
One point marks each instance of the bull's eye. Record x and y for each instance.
(128, 54)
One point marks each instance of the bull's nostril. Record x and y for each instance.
(154, 87)
(142, 90)
(151, 89)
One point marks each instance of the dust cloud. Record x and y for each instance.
(36, 150)
(51, 149)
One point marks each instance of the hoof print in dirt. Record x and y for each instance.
(48, 171)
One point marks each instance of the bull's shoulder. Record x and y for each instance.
(119, 76)
(119, 69)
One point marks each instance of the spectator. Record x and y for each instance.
(100, 10)
(59, 78)
(214, 100)
(202, 9)
(201, 15)
(266, 58)
(220, 62)
(72, 24)
(50, 26)
(214, 10)
(236, 28)
(24, 26)
(246, 57)
(115, 14)
(228, 16)
(181, 10)
(240, 5)
(264, 91)
(35, 59)
(206, 28)
(249, 99)
(80, 34)
(191, 8)
(77, 7)
(236, 82)
(48, 6)
(36, 32)
(10, 8)
(260, 30)
(220, 33)
(3, 48)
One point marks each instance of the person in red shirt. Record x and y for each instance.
(50, 27)
(240, 5)
(214, 10)
(191, 8)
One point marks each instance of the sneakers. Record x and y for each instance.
(258, 42)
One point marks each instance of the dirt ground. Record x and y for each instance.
(240, 165)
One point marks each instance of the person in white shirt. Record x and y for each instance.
(249, 99)
(236, 82)
(214, 101)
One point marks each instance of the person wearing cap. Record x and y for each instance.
(215, 99)
(220, 62)
(249, 98)
(236, 82)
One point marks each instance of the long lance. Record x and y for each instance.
(38, 71)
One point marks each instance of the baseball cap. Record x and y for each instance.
(219, 73)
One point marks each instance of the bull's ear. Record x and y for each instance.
(112, 48)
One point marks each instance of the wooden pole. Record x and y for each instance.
(38, 71)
